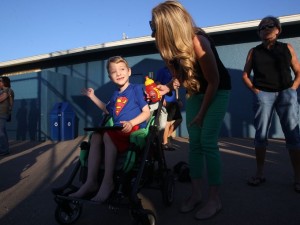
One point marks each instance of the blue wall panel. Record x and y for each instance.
(36, 94)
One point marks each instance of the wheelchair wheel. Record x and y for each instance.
(168, 188)
(68, 212)
(143, 217)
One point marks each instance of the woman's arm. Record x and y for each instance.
(174, 84)
(164, 89)
(210, 71)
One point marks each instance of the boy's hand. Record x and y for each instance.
(89, 92)
(127, 126)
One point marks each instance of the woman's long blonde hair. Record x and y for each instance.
(175, 30)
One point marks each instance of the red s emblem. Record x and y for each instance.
(120, 103)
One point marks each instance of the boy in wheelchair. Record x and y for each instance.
(129, 111)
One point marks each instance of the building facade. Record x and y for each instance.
(41, 81)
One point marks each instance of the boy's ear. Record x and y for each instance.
(129, 71)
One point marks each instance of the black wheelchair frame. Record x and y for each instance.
(148, 170)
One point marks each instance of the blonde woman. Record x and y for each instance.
(193, 60)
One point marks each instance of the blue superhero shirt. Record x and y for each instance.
(127, 105)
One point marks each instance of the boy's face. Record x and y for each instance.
(119, 73)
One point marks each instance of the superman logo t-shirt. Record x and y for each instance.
(126, 105)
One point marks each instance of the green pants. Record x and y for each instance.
(203, 146)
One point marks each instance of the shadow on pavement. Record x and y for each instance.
(32, 169)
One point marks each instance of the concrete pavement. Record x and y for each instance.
(32, 169)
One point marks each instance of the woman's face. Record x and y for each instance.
(268, 31)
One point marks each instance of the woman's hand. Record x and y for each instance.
(198, 120)
(163, 89)
(176, 83)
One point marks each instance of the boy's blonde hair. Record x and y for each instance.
(116, 59)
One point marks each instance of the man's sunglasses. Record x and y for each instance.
(269, 26)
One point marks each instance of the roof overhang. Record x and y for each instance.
(285, 20)
(222, 34)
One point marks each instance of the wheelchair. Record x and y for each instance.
(142, 166)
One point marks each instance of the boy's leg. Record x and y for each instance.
(107, 184)
(94, 160)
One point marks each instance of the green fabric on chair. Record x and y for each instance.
(139, 137)
(138, 140)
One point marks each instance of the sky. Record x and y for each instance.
(35, 27)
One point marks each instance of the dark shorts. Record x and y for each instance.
(121, 139)
(173, 111)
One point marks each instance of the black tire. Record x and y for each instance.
(143, 217)
(168, 188)
(68, 212)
